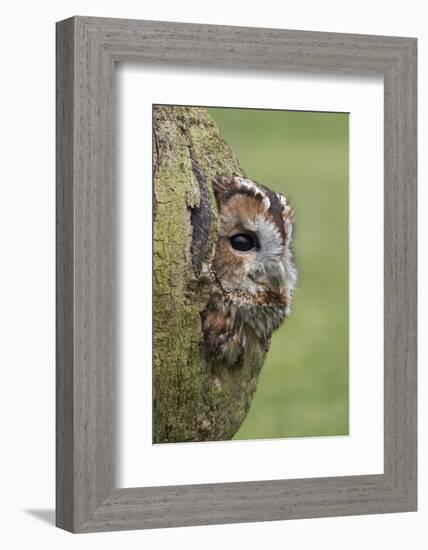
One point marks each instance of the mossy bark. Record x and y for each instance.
(192, 400)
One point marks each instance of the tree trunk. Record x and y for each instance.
(192, 400)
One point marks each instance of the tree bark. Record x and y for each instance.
(192, 400)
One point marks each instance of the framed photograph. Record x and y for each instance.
(236, 274)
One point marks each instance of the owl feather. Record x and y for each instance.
(254, 273)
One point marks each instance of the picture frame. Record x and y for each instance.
(87, 50)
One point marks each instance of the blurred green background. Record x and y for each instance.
(303, 386)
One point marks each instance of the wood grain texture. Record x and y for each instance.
(87, 49)
(64, 278)
(193, 399)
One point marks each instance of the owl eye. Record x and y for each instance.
(242, 242)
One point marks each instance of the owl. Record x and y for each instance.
(254, 274)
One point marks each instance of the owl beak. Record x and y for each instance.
(274, 280)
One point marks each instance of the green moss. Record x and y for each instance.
(193, 401)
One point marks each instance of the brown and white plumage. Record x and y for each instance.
(254, 274)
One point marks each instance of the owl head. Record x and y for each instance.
(253, 261)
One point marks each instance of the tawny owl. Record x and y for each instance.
(254, 274)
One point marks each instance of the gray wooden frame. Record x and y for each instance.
(87, 50)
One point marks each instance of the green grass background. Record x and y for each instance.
(303, 386)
